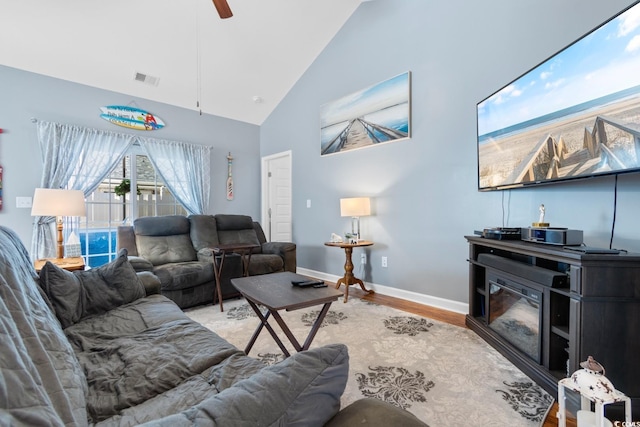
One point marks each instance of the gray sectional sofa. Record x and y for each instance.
(178, 250)
(102, 348)
(98, 347)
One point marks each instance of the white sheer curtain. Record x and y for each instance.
(185, 168)
(76, 158)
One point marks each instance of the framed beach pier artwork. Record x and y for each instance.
(375, 115)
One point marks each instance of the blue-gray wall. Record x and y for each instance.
(424, 189)
(26, 95)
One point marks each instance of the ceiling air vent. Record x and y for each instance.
(146, 79)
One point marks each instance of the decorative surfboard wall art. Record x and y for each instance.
(229, 178)
(131, 117)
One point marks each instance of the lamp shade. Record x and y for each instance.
(355, 206)
(58, 202)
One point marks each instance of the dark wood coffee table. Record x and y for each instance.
(275, 292)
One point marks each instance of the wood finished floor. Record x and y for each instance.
(443, 316)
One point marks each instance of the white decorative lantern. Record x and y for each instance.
(595, 388)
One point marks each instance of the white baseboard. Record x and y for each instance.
(445, 304)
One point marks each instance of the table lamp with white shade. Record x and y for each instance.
(58, 203)
(355, 207)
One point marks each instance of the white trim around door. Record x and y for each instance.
(276, 196)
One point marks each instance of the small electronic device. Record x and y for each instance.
(501, 233)
(308, 283)
(552, 236)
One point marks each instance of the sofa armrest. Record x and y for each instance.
(374, 413)
(140, 264)
(150, 282)
(205, 255)
(286, 250)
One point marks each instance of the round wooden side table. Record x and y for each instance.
(349, 279)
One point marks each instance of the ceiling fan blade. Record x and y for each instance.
(223, 8)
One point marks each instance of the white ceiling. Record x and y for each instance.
(198, 58)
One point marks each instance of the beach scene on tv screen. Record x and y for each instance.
(575, 115)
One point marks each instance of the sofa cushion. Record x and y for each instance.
(303, 390)
(79, 294)
(183, 275)
(163, 249)
(228, 222)
(163, 239)
(204, 232)
(168, 225)
(41, 381)
(236, 229)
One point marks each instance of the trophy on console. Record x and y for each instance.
(541, 222)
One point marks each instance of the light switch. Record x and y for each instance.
(308, 203)
(23, 202)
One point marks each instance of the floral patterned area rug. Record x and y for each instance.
(444, 374)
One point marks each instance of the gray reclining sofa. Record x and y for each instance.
(178, 249)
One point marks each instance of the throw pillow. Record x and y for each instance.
(79, 294)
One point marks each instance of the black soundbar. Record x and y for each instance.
(534, 273)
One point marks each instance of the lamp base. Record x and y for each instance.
(355, 229)
(60, 249)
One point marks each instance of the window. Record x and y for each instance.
(113, 204)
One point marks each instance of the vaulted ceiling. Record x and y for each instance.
(239, 68)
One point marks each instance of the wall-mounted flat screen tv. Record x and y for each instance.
(576, 115)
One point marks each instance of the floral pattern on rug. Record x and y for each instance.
(332, 318)
(241, 312)
(271, 358)
(407, 325)
(446, 376)
(526, 399)
(394, 385)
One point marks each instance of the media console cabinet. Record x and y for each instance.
(588, 305)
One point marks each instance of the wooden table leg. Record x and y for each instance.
(287, 331)
(348, 278)
(246, 259)
(316, 326)
(264, 323)
(217, 270)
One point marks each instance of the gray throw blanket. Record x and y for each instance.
(41, 382)
(132, 357)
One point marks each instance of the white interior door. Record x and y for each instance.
(276, 197)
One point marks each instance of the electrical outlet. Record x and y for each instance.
(363, 258)
(23, 202)
(384, 261)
